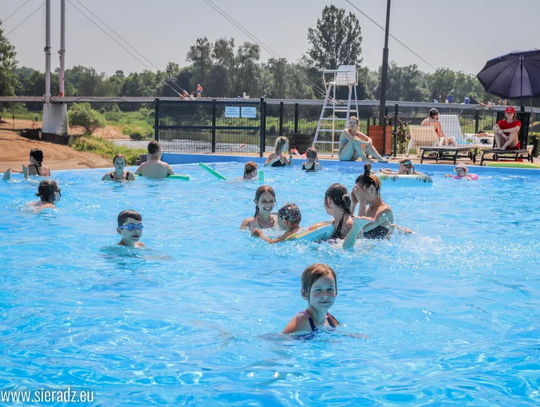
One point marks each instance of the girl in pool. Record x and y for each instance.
(250, 170)
(367, 193)
(405, 168)
(337, 203)
(265, 200)
(312, 164)
(50, 195)
(289, 218)
(319, 289)
(462, 172)
(277, 158)
(119, 174)
(35, 167)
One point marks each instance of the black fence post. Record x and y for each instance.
(384, 135)
(280, 119)
(213, 125)
(296, 117)
(156, 119)
(476, 121)
(396, 113)
(262, 136)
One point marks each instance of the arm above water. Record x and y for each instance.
(359, 223)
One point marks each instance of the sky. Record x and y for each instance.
(457, 34)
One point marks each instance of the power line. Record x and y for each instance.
(17, 26)
(111, 37)
(263, 45)
(382, 28)
(133, 48)
(20, 7)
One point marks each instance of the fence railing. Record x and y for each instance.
(220, 127)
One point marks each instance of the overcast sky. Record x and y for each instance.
(457, 34)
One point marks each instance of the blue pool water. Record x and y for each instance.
(452, 312)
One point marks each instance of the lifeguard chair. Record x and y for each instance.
(345, 75)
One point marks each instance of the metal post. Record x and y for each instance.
(47, 51)
(384, 131)
(296, 117)
(213, 125)
(156, 119)
(396, 113)
(476, 121)
(280, 119)
(262, 136)
(62, 51)
(384, 75)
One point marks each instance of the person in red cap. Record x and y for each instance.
(506, 131)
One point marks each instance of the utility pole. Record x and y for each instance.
(62, 51)
(47, 51)
(384, 75)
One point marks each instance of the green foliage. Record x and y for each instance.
(107, 149)
(83, 115)
(7, 66)
(336, 41)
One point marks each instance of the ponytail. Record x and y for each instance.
(340, 197)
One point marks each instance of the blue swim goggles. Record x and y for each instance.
(131, 227)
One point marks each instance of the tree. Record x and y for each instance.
(83, 115)
(8, 64)
(336, 41)
(200, 57)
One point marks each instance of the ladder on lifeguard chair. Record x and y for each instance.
(345, 75)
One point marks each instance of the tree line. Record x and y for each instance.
(227, 69)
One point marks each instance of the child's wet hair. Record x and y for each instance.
(280, 142)
(153, 147)
(312, 274)
(250, 167)
(260, 191)
(291, 213)
(47, 189)
(311, 152)
(127, 214)
(37, 155)
(339, 195)
(367, 180)
(119, 156)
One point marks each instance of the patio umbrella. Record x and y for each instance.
(513, 76)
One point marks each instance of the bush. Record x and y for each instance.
(83, 115)
(107, 149)
(136, 136)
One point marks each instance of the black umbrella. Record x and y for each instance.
(512, 76)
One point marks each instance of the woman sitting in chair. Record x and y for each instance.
(506, 131)
(433, 120)
(354, 145)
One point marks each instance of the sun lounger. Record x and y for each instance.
(422, 136)
(443, 153)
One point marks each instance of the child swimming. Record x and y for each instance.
(405, 168)
(265, 200)
(36, 166)
(462, 172)
(250, 170)
(130, 227)
(319, 289)
(154, 167)
(119, 162)
(50, 195)
(289, 217)
(312, 164)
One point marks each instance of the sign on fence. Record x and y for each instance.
(249, 112)
(232, 111)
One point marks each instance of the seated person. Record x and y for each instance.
(506, 131)
(433, 120)
(277, 158)
(251, 170)
(405, 168)
(49, 194)
(130, 227)
(119, 162)
(36, 166)
(154, 167)
(289, 218)
(354, 145)
(312, 164)
(462, 173)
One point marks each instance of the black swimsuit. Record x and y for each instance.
(337, 233)
(379, 232)
(126, 176)
(37, 168)
(312, 169)
(278, 164)
(312, 324)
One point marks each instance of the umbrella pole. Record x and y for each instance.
(521, 90)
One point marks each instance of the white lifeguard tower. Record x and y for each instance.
(345, 75)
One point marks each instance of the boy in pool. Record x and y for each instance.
(462, 172)
(289, 218)
(130, 227)
(154, 167)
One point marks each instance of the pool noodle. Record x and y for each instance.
(512, 165)
(211, 171)
(175, 176)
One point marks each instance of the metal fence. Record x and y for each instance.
(219, 127)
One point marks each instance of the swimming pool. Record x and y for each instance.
(451, 312)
